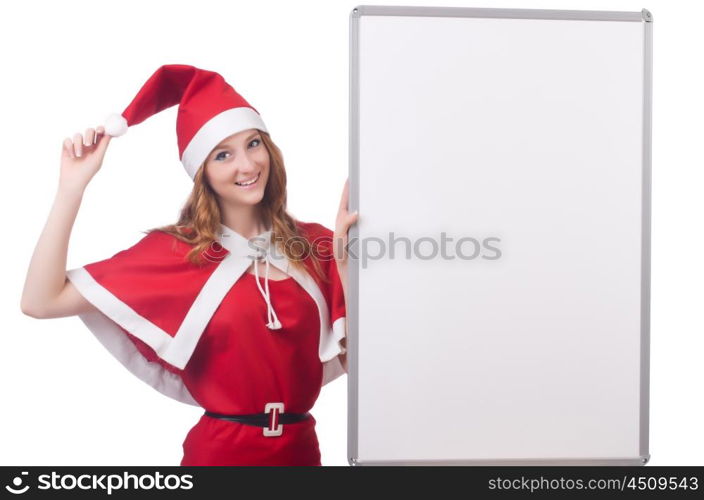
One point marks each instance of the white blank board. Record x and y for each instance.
(531, 127)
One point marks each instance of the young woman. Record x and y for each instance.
(238, 307)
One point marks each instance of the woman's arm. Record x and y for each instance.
(47, 292)
(343, 357)
(343, 342)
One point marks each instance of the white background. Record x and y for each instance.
(66, 65)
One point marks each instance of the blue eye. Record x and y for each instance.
(220, 157)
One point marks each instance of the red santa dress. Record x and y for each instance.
(199, 334)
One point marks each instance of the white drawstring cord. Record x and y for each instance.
(274, 323)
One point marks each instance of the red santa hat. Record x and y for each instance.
(209, 110)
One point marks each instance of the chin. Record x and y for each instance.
(246, 198)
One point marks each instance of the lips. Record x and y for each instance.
(249, 182)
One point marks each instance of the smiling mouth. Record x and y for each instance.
(250, 182)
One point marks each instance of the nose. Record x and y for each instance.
(247, 166)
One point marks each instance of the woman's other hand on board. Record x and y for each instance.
(342, 224)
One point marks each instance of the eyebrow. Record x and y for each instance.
(225, 146)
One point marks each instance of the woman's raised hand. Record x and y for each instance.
(81, 158)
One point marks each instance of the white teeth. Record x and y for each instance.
(248, 182)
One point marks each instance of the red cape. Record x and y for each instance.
(152, 304)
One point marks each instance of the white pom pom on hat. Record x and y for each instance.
(115, 125)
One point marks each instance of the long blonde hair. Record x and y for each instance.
(200, 218)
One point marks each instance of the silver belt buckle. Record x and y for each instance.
(275, 409)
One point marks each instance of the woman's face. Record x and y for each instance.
(238, 168)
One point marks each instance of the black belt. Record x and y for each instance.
(261, 419)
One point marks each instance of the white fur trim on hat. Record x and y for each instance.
(216, 129)
(115, 125)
